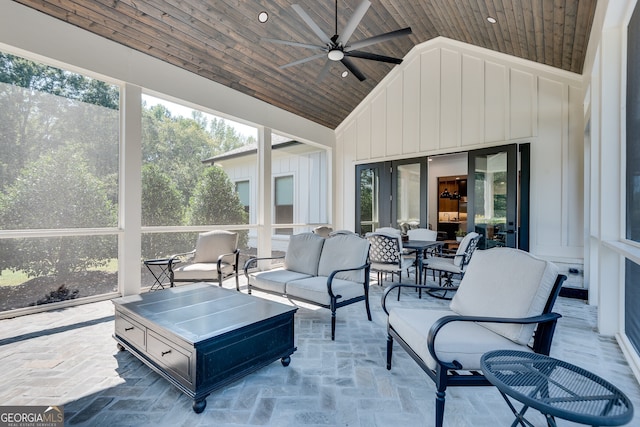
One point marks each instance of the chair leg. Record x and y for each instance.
(389, 351)
(366, 303)
(441, 386)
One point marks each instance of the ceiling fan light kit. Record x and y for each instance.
(337, 48)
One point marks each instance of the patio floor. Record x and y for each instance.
(68, 357)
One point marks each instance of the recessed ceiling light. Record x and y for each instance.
(344, 74)
(263, 17)
(492, 19)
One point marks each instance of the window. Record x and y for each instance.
(59, 171)
(183, 180)
(284, 203)
(244, 193)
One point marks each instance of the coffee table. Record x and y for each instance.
(201, 337)
(555, 388)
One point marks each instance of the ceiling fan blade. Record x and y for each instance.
(324, 71)
(314, 27)
(377, 39)
(353, 22)
(373, 56)
(302, 61)
(288, 43)
(353, 69)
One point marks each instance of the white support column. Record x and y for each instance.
(610, 286)
(264, 194)
(129, 243)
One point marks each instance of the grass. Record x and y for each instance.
(14, 278)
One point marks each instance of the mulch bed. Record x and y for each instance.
(43, 290)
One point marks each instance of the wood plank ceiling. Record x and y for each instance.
(222, 40)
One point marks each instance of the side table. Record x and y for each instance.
(163, 270)
(555, 388)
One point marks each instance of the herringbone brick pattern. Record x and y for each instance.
(68, 357)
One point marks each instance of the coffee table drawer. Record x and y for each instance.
(130, 330)
(169, 355)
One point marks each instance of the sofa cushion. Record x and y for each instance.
(344, 251)
(315, 289)
(465, 342)
(212, 244)
(505, 282)
(303, 253)
(275, 280)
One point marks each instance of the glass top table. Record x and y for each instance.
(555, 388)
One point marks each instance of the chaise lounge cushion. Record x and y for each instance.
(498, 295)
(303, 253)
(464, 341)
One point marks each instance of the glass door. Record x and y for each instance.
(391, 194)
(493, 196)
(372, 183)
(409, 195)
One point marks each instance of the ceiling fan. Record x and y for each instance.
(337, 48)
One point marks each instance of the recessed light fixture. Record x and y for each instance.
(263, 17)
(344, 74)
(492, 20)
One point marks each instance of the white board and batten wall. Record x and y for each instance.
(448, 97)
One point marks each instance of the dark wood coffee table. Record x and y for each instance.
(201, 337)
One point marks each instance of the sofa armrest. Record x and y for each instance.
(253, 260)
(366, 267)
(440, 323)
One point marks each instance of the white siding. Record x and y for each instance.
(450, 97)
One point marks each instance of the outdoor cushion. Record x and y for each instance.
(212, 244)
(315, 289)
(275, 280)
(464, 341)
(344, 251)
(204, 271)
(505, 291)
(303, 253)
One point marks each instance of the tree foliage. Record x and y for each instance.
(215, 201)
(59, 162)
(57, 191)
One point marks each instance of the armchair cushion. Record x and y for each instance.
(303, 253)
(200, 271)
(486, 292)
(212, 244)
(344, 251)
(465, 342)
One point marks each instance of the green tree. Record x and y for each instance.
(43, 109)
(215, 201)
(161, 205)
(55, 192)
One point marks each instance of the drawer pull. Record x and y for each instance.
(128, 329)
(166, 352)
